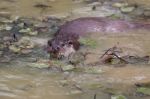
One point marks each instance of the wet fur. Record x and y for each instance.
(72, 30)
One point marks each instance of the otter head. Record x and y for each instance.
(62, 47)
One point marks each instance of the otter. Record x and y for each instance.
(65, 40)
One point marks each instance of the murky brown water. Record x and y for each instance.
(27, 83)
(26, 7)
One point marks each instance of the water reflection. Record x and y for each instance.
(25, 83)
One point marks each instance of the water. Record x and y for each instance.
(26, 7)
(25, 83)
(20, 82)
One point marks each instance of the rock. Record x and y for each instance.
(127, 9)
(118, 97)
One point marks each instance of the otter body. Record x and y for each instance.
(68, 34)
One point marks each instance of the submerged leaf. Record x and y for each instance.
(94, 86)
(127, 9)
(39, 65)
(94, 70)
(68, 67)
(25, 30)
(88, 42)
(143, 90)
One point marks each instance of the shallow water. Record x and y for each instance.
(26, 7)
(24, 82)
(27, 83)
(30, 83)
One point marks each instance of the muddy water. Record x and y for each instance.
(25, 83)
(134, 43)
(143, 2)
(27, 7)
(18, 82)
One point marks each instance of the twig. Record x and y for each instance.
(120, 58)
(94, 96)
(110, 49)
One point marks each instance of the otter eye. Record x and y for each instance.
(70, 42)
(57, 48)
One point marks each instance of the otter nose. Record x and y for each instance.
(56, 48)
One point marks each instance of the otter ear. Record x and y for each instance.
(76, 45)
(49, 42)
